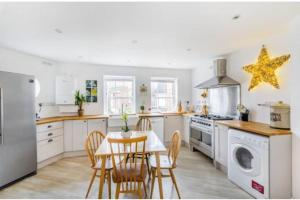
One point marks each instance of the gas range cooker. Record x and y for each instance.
(213, 117)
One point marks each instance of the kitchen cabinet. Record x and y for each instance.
(80, 132)
(49, 140)
(172, 123)
(97, 125)
(65, 90)
(186, 129)
(157, 124)
(76, 131)
(221, 144)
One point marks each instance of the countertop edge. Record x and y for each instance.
(254, 127)
(63, 118)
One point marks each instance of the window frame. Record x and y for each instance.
(117, 78)
(175, 90)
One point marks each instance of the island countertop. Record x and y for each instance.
(254, 127)
(62, 118)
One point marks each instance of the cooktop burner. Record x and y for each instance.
(214, 117)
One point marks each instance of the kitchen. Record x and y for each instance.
(142, 82)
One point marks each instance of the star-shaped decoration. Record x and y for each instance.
(264, 69)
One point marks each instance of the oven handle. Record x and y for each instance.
(207, 131)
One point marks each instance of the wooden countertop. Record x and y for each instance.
(161, 114)
(62, 118)
(254, 127)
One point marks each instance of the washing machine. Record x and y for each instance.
(248, 162)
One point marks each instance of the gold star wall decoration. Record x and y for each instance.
(264, 69)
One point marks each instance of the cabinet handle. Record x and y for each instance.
(50, 140)
(84, 121)
(49, 134)
(49, 126)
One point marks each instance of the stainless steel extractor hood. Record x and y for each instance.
(220, 79)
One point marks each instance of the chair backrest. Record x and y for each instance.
(125, 165)
(174, 147)
(92, 143)
(144, 124)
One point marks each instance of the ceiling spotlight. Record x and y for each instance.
(134, 41)
(57, 30)
(236, 17)
(189, 49)
(80, 57)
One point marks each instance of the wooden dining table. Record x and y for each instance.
(152, 145)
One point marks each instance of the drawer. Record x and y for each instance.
(49, 148)
(49, 134)
(49, 126)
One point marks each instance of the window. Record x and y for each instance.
(119, 93)
(163, 94)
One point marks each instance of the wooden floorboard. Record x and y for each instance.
(69, 178)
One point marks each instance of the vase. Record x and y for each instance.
(244, 117)
(126, 134)
(80, 112)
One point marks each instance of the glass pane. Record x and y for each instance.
(163, 97)
(244, 158)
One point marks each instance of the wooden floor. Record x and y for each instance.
(69, 178)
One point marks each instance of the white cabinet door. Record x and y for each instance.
(65, 89)
(49, 148)
(172, 123)
(221, 144)
(97, 125)
(79, 134)
(68, 135)
(157, 124)
(186, 129)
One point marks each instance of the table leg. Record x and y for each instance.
(102, 177)
(161, 195)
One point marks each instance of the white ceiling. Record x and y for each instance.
(172, 35)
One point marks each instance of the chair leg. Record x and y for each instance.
(153, 180)
(91, 183)
(118, 190)
(109, 184)
(174, 182)
(140, 190)
(148, 166)
(145, 189)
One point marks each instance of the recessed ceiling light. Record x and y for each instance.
(188, 49)
(134, 41)
(236, 17)
(169, 63)
(128, 61)
(57, 30)
(80, 57)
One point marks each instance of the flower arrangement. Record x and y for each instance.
(124, 118)
(244, 112)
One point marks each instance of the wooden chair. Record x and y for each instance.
(92, 143)
(167, 161)
(144, 124)
(130, 174)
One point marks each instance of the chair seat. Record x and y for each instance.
(129, 174)
(165, 161)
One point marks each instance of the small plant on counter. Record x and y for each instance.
(142, 107)
(124, 118)
(244, 112)
(79, 101)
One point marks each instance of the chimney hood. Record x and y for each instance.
(220, 79)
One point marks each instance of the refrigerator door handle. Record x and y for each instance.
(1, 117)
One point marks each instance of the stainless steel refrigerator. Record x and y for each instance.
(18, 157)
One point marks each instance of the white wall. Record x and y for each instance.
(142, 75)
(14, 61)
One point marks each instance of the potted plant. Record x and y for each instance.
(125, 129)
(244, 112)
(142, 107)
(79, 100)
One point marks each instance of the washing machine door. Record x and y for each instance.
(246, 158)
